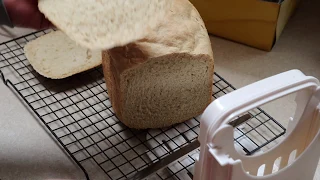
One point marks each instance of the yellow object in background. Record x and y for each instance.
(255, 23)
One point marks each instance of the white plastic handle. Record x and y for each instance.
(244, 99)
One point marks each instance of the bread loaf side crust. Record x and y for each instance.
(114, 63)
(111, 83)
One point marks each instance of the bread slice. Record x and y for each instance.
(56, 56)
(104, 24)
(165, 78)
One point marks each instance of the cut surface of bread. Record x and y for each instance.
(165, 78)
(104, 24)
(56, 56)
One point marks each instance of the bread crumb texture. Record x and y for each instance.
(56, 56)
(104, 24)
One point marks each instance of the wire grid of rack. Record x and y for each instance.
(79, 115)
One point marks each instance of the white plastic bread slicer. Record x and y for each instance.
(219, 160)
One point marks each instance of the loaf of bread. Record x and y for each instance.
(165, 78)
(56, 56)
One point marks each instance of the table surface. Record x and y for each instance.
(28, 151)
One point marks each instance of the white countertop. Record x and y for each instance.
(27, 151)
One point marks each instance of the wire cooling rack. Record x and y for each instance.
(78, 113)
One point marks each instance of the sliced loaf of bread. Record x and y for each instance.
(56, 56)
(165, 78)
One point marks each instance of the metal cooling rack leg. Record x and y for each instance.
(7, 82)
(3, 78)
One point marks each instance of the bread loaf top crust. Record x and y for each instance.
(182, 31)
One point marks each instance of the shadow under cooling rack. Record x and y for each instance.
(78, 113)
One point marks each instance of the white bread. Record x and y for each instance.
(104, 24)
(56, 56)
(165, 78)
